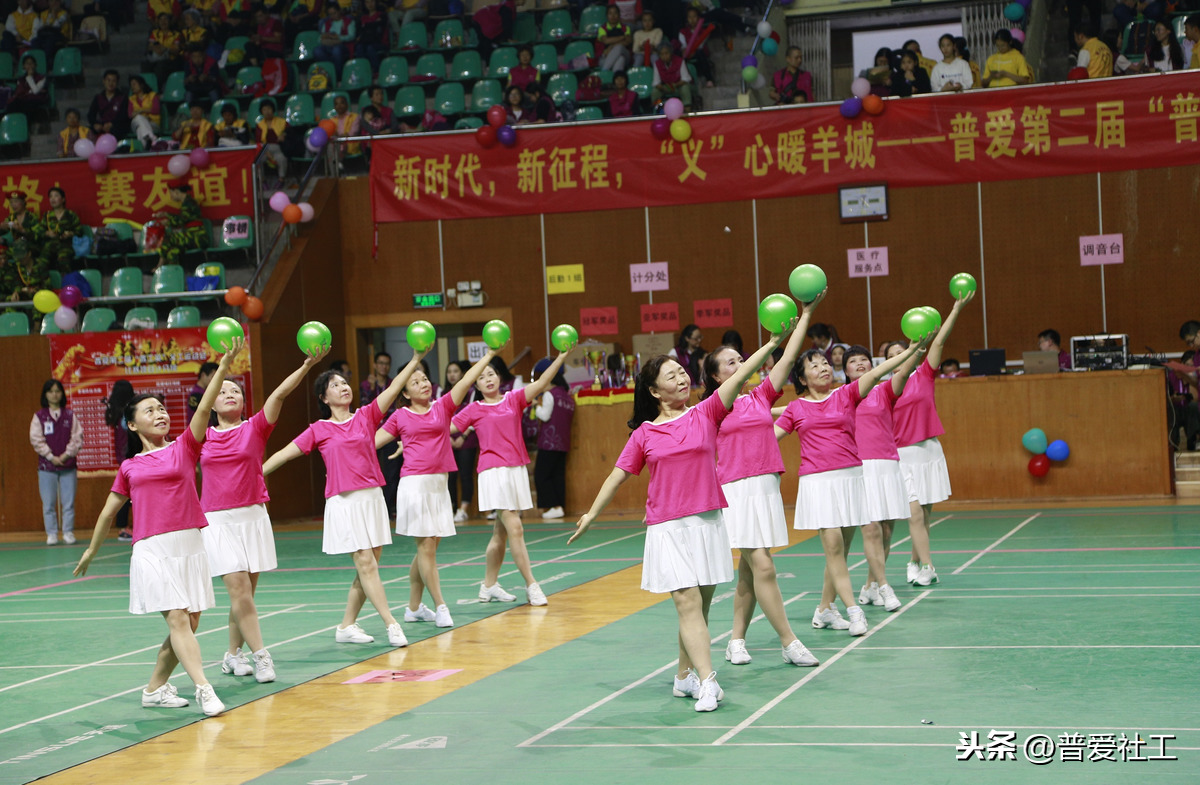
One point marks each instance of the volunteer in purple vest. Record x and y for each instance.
(555, 410)
(57, 437)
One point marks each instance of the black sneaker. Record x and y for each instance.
(125, 537)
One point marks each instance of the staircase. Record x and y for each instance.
(1187, 475)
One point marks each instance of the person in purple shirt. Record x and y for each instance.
(555, 410)
(197, 392)
(1050, 341)
(109, 112)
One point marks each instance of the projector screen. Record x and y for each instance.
(866, 44)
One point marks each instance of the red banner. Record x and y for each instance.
(598, 321)
(713, 313)
(1003, 134)
(164, 362)
(135, 186)
(660, 317)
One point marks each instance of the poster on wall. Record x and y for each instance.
(164, 362)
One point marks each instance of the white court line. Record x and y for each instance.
(1055, 596)
(1003, 571)
(533, 564)
(59, 566)
(995, 544)
(770, 744)
(1046, 646)
(912, 727)
(104, 665)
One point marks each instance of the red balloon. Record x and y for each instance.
(292, 214)
(235, 296)
(775, 37)
(497, 116)
(253, 308)
(1039, 465)
(486, 136)
(872, 104)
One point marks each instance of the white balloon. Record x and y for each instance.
(760, 82)
(765, 29)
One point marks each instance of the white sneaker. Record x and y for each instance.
(396, 636)
(165, 697)
(858, 621)
(460, 516)
(264, 667)
(494, 592)
(422, 613)
(796, 654)
(491, 516)
(688, 686)
(536, 595)
(927, 575)
(553, 513)
(237, 663)
(911, 571)
(869, 594)
(891, 603)
(442, 617)
(52, 539)
(831, 618)
(69, 538)
(210, 704)
(710, 693)
(736, 652)
(352, 634)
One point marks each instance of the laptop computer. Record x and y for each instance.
(986, 362)
(1040, 362)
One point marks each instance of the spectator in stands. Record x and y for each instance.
(194, 32)
(302, 15)
(692, 44)
(524, 74)
(1127, 12)
(266, 40)
(1094, 54)
(823, 336)
(56, 29)
(372, 34)
(949, 369)
(688, 350)
(646, 40)
(164, 50)
(964, 52)
(371, 124)
(185, 229)
(494, 24)
(613, 42)
(911, 79)
(728, 21)
(953, 73)
(622, 100)
(378, 98)
(1191, 32)
(229, 18)
(202, 78)
(21, 28)
(514, 107)
(1163, 53)
(406, 12)
(22, 273)
(56, 232)
(791, 84)
(203, 377)
(347, 124)
(912, 45)
(1007, 67)
(68, 136)
(671, 78)
(32, 96)
(145, 111)
(271, 132)
(837, 357)
(543, 110)
(155, 8)
(371, 388)
(1050, 341)
(231, 130)
(20, 224)
(881, 74)
(196, 130)
(337, 34)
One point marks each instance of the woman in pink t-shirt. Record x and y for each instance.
(423, 506)
(887, 498)
(687, 547)
(233, 495)
(168, 570)
(749, 466)
(831, 497)
(503, 479)
(921, 458)
(356, 516)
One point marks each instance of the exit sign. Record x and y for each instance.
(429, 300)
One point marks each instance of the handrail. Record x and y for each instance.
(205, 294)
(284, 228)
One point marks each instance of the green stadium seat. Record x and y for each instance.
(524, 29)
(545, 58)
(589, 113)
(125, 281)
(561, 87)
(356, 74)
(184, 316)
(15, 323)
(467, 66)
(142, 317)
(413, 37)
(591, 19)
(305, 46)
(300, 111)
(98, 320)
(485, 94)
(393, 72)
(410, 102)
(503, 60)
(556, 25)
(449, 99)
(576, 49)
(448, 36)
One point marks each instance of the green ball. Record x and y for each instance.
(564, 338)
(222, 331)
(934, 316)
(496, 333)
(961, 285)
(806, 282)
(916, 323)
(421, 335)
(313, 336)
(775, 312)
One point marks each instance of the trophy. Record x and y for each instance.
(595, 360)
(633, 366)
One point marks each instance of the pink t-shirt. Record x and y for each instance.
(682, 455)
(826, 430)
(915, 415)
(231, 465)
(873, 429)
(162, 486)
(501, 441)
(426, 438)
(746, 443)
(348, 449)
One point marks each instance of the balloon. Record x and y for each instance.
(775, 35)
(749, 73)
(496, 333)
(764, 29)
(486, 136)
(292, 214)
(507, 135)
(673, 109)
(222, 331)
(66, 319)
(660, 128)
(70, 296)
(770, 46)
(84, 148)
(328, 126)
(806, 282)
(318, 137)
(421, 335)
(1018, 34)
(279, 200)
(98, 162)
(179, 165)
(1013, 12)
(1034, 440)
(961, 285)
(860, 87)
(749, 60)
(1077, 73)
(46, 301)
(564, 338)
(760, 81)
(1039, 465)
(313, 336)
(851, 107)
(107, 144)
(873, 104)
(916, 324)
(235, 296)
(253, 308)
(199, 157)
(496, 116)
(776, 311)
(1057, 450)
(681, 130)
(306, 212)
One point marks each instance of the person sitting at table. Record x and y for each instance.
(1049, 341)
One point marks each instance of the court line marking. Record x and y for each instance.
(914, 727)
(62, 566)
(993, 546)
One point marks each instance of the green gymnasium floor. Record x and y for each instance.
(1072, 625)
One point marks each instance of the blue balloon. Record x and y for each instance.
(1034, 440)
(1057, 450)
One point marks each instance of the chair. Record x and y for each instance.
(39, 59)
(327, 111)
(142, 317)
(449, 99)
(183, 316)
(413, 37)
(605, 75)
(524, 29)
(393, 72)
(212, 269)
(468, 123)
(151, 81)
(236, 42)
(97, 320)
(237, 234)
(123, 231)
(556, 25)
(562, 87)
(125, 281)
(254, 113)
(68, 64)
(485, 94)
(589, 113)
(305, 47)
(14, 130)
(576, 49)
(169, 279)
(327, 67)
(15, 323)
(356, 74)
(93, 277)
(299, 110)
(410, 102)
(247, 75)
(448, 35)
(640, 79)
(48, 325)
(431, 68)
(6, 67)
(173, 91)
(467, 66)
(591, 19)
(503, 59)
(545, 58)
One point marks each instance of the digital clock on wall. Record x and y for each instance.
(863, 202)
(429, 300)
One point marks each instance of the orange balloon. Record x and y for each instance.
(872, 104)
(235, 296)
(253, 308)
(292, 213)
(329, 126)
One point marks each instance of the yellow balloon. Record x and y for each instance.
(681, 130)
(46, 301)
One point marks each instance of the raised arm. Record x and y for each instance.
(289, 453)
(900, 377)
(783, 368)
(872, 377)
(458, 393)
(939, 343)
(389, 395)
(199, 423)
(535, 390)
(607, 491)
(274, 402)
(730, 388)
(112, 506)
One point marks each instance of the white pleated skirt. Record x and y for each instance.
(832, 500)
(755, 516)
(684, 552)
(239, 540)
(504, 488)
(887, 493)
(423, 507)
(355, 521)
(169, 572)
(925, 472)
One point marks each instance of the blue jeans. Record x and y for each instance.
(56, 487)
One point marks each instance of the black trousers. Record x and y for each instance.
(550, 478)
(465, 458)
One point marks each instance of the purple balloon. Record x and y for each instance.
(70, 296)
(318, 137)
(65, 318)
(199, 157)
(851, 107)
(179, 165)
(749, 61)
(507, 135)
(107, 144)
(98, 162)
(660, 128)
(279, 200)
